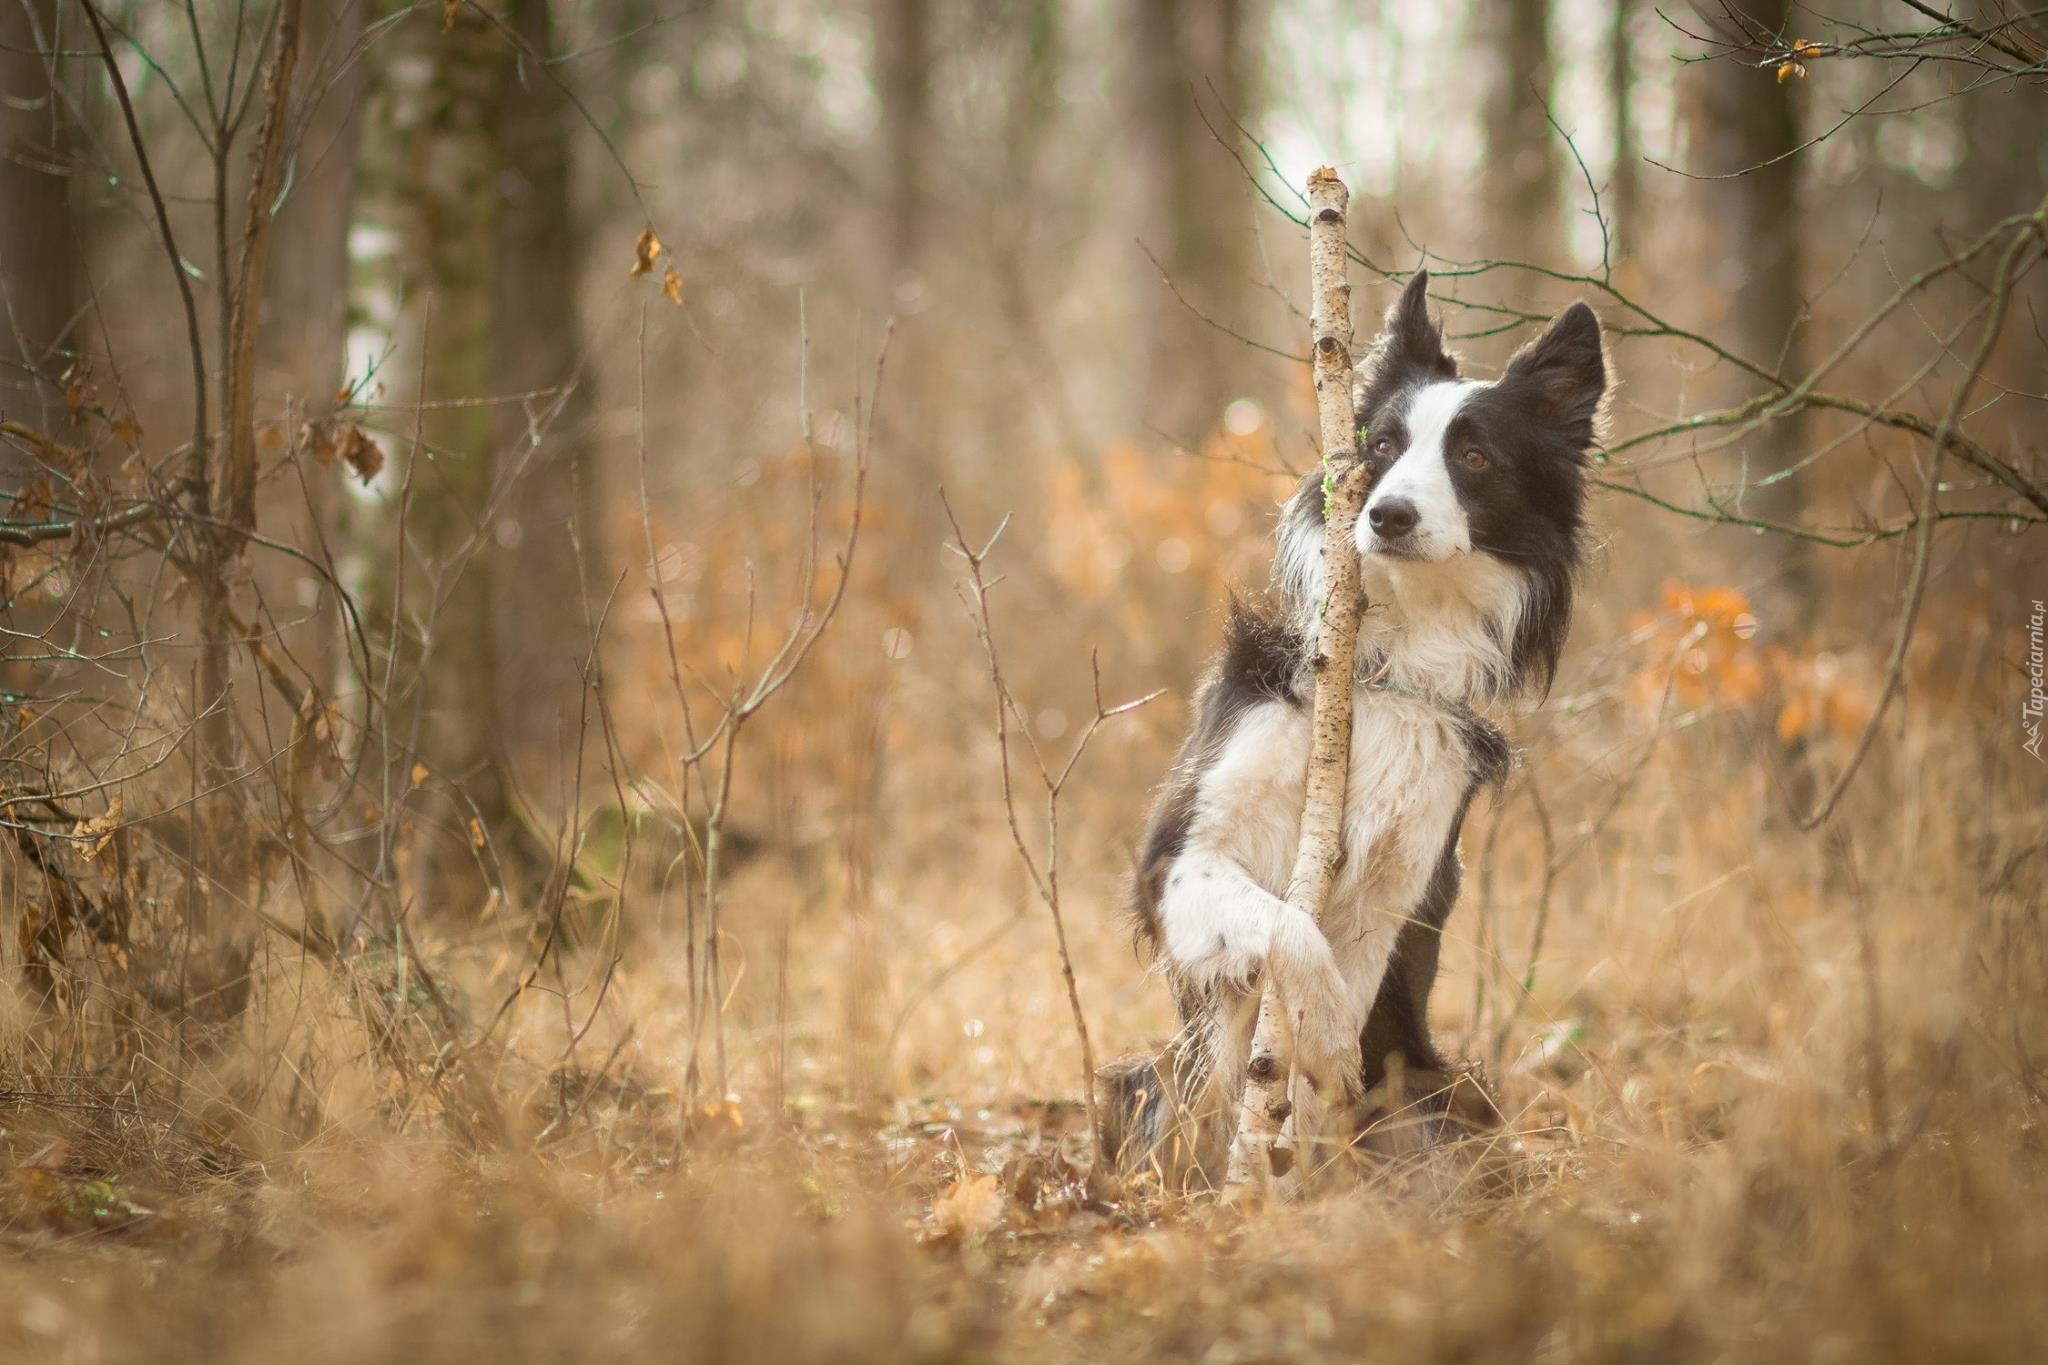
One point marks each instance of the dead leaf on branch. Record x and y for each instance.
(329, 440)
(646, 250)
(99, 830)
(34, 501)
(361, 454)
(672, 285)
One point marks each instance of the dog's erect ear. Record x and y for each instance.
(1562, 374)
(1413, 336)
(1408, 347)
(1409, 336)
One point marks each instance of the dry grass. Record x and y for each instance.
(1773, 1096)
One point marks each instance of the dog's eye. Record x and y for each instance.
(1383, 446)
(1475, 459)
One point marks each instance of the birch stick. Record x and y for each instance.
(1262, 1155)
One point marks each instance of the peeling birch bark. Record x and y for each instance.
(1263, 1152)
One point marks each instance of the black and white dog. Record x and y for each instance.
(1470, 538)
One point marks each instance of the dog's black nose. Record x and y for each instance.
(1392, 518)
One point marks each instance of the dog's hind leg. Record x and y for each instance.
(1165, 1112)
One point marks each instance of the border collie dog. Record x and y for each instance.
(1470, 537)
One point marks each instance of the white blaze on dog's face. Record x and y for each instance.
(1415, 511)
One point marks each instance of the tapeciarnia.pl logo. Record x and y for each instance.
(2037, 699)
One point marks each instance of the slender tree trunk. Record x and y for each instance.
(37, 233)
(546, 596)
(1261, 1157)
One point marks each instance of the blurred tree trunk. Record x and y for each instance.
(1739, 119)
(304, 337)
(1522, 161)
(305, 327)
(1031, 124)
(1625, 184)
(923, 372)
(1191, 201)
(547, 595)
(443, 197)
(37, 234)
(903, 59)
(2003, 172)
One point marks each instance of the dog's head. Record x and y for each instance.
(1461, 467)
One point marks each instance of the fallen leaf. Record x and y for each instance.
(970, 1208)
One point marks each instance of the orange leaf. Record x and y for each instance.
(672, 285)
(646, 248)
(1794, 719)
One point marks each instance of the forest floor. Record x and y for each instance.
(1762, 1106)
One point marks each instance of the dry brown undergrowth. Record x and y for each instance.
(1716, 1157)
